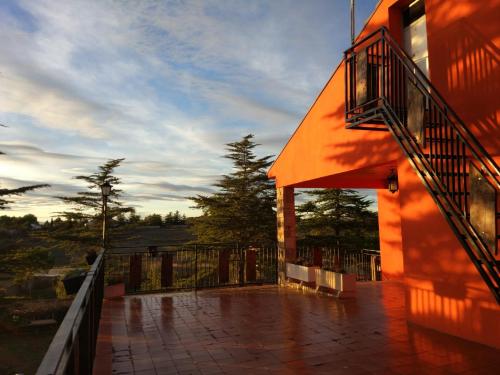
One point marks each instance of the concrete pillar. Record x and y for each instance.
(391, 243)
(287, 249)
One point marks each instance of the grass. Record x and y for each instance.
(23, 351)
(21, 347)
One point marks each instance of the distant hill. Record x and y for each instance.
(144, 236)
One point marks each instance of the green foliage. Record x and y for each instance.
(14, 222)
(153, 220)
(338, 216)
(17, 191)
(134, 218)
(87, 205)
(83, 222)
(27, 261)
(242, 210)
(175, 218)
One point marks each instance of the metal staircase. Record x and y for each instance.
(386, 91)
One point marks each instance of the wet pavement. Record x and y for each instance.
(268, 329)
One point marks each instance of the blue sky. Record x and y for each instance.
(163, 84)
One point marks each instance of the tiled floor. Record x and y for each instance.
(279, 330)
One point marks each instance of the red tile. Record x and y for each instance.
(268, 329)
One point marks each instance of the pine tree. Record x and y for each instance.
(177, 217)
(17, 191)
(153, 220)
(242, 210)
(338, 217)
(87, 205)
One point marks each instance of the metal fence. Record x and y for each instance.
(72, 349)
(190, 266)
(365, 264)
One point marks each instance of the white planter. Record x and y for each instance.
(341, 282)
(302, 273)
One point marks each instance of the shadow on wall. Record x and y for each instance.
(369, 148)
(391, 247)
(444, 289)
(466, 69)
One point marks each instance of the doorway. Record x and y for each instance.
(415, 35)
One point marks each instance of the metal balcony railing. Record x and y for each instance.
(72, 350)
(193, 266)
(144, 270)
(365, 264)
(386, 91)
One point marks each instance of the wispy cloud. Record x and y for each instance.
(163, 84)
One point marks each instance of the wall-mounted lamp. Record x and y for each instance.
(392, 182)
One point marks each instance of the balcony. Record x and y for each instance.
(386, 91)
(217, 325)
(272, 329)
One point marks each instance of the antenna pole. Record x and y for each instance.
(353, 23)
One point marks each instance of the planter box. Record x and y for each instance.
(343, 283)
(114, 291)
(73, 283)
(302, 273)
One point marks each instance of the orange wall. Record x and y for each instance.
(322, 146)
(444, 290)
(391, 247)
(463, 40)
(464, 57)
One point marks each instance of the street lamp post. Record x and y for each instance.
(105, 191)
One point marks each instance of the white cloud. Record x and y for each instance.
(163, 84)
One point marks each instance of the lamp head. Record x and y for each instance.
(392, 182)
(106, 189)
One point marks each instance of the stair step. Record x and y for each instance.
(444, 157)
(445, 140)
(435, 192)
(452, 174)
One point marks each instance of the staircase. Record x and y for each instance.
(386, 91)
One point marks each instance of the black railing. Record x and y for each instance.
(385, 90)
(72, 349)
(191, 266)
(365, 264)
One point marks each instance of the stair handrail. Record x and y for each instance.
(476, 249)
(458, 124)
(465, 134)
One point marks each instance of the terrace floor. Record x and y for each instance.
(255, 330)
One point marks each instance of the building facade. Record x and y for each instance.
(416, 98)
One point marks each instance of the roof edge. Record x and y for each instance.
(273, 176)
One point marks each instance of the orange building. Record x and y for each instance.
(415, 102)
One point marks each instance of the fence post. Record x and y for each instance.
(241, 253)
(223, 266)
(167, 261)
(135, 271)
(251, 265)
(195, 267)
(317, 257)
